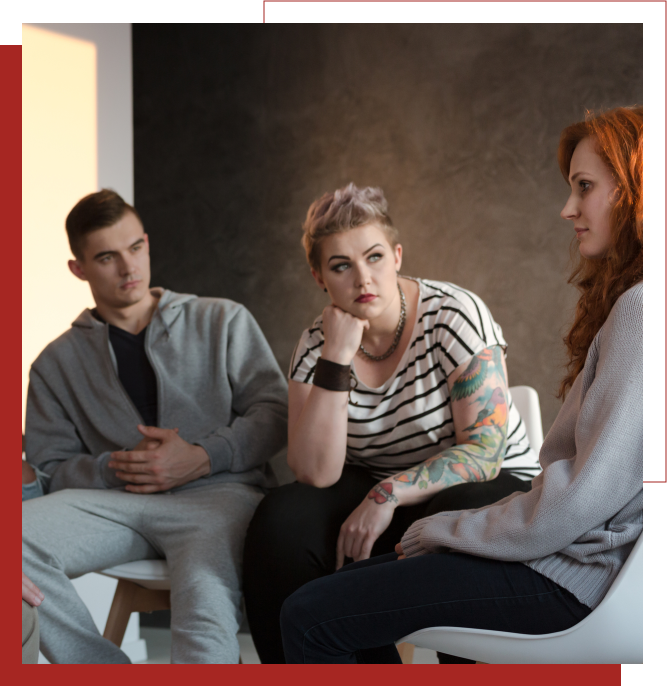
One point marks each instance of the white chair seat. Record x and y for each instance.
(152, 574)
(611, 634)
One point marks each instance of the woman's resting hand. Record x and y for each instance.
(31, 594)
(364, 526)
(342, 334)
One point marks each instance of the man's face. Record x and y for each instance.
(116, 263)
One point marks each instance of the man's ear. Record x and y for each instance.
(146, 241)
(75, 268)
(318, 279)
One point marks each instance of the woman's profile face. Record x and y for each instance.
(591, 200)
(358, 268)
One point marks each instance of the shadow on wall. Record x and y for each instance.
(239, 128)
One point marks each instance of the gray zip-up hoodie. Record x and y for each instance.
(217, 381)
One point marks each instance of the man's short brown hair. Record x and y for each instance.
(96, 211)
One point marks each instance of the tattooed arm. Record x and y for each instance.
(478, 391)
(480, 411)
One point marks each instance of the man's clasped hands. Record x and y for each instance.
(162, 460)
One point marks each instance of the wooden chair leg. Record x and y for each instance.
(407, 652)
(129, 598)
(119, 614)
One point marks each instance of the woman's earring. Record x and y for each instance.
(325, 290)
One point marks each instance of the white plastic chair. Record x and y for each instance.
(151, 574)
(611, 634)
(527, 402)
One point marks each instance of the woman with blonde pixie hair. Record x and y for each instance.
(399, 407)
(539, 561)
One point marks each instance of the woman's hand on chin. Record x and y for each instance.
(342, 334)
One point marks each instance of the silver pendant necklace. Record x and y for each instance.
(397, 335)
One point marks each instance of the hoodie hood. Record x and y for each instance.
(168, 309)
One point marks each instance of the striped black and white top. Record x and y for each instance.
(408, 419)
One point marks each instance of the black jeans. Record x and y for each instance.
(355, 615)
(292, 540)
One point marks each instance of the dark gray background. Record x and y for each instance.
(238, 128)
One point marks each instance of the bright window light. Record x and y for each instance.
(59, 167)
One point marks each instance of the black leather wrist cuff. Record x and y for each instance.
(331, 375)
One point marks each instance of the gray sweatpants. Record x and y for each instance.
(199, 531)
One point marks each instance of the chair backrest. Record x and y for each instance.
(527, 402)
(623, 602)
(613, 632)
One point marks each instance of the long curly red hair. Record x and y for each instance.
(618, 138)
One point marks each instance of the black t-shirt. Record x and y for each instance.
(134, 370)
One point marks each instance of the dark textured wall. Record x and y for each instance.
(239, 128)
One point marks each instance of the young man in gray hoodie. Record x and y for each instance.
(149, 424)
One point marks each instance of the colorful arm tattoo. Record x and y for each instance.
(481, 458)
(472, 379)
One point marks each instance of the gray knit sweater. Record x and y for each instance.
(579, 521)
(217, 381)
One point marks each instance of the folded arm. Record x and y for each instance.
(259, 428)
(54, 446)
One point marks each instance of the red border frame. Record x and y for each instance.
(10, 70)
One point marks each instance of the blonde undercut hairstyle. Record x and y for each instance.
(345, 209)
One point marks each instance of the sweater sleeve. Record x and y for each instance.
(592, 460)
(259, 428)
(54, 446)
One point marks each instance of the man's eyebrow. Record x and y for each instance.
(105, 252)
(113, 252)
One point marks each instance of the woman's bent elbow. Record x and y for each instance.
(317, 480)
(311, 475)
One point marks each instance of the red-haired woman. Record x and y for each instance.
(538, 561)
